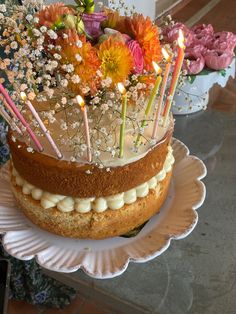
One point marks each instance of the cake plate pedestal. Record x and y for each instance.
(110, 257)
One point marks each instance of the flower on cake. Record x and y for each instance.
(83, 70)
(116, 60)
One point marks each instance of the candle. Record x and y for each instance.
(86, 125)
(151, 100)
(9, 120)
(21, 118)
(6, 116)
(175, 77)
(162, 93)
(123, 117)
(41, 124)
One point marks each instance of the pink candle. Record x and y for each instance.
(86, 125)
(175, 77)
(21, 118)
(163, 89)
(6, 116)
(41, 124)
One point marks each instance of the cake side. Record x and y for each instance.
(86, 180)
(94, 225)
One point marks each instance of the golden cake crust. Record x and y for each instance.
(93, 225)
(72, 179)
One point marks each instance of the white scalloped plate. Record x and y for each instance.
(108, 258)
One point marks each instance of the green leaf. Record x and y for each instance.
(222, 72)
(191, 78)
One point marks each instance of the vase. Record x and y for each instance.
(193, 95)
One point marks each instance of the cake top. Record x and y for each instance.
(84, 84)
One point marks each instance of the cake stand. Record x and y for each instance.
(110, 257)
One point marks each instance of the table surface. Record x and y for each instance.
(196, 274)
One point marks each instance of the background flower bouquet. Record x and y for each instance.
(209, 59)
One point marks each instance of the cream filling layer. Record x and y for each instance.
(84, 205)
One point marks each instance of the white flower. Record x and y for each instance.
(36, 19)
(75, 79)
(57, 56)
(65, 36)
(79, 44)
(64, 126)
(78, 57)
(50, 46)
(64, 83)
(29, 17)
(36, 32)
(1, 16)
(52, 34)
(43, 29)
(64, 100)
(3, 8)
(14, 45)
(83, 147)
(23, 87)
(30, 149)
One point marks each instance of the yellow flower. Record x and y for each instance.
(116, 60)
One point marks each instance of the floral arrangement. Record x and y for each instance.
(205, 48)
(84, 68)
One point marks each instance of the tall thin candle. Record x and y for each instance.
(21, 118)
(151, 100)
(175, 77)
(162, 93)
(7, 117)
(9, 120)
(41, 124)
(123, 117)
(86, 126)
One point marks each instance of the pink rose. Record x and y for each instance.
(203, 39)
(137, 53)
(193, 63)
(217, 60)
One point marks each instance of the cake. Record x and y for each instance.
(94, 169)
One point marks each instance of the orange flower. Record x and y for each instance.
(117, 61)
(142, 30)
(51, 15)
(83, 58)
(114, 20)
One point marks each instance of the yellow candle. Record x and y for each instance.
(175, 77)
(162, 93)
(86, 126)
(151, 100)
(123, 117)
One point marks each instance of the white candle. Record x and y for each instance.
(86, 126)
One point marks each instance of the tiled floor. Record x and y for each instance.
(222, 17)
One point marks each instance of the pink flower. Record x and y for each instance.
(223, 41)
(172, 33)
(92, 23)
(203, 29)
(194, 62)
(218, 60)
(196, 49)
(203, 39)
(137, 54)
